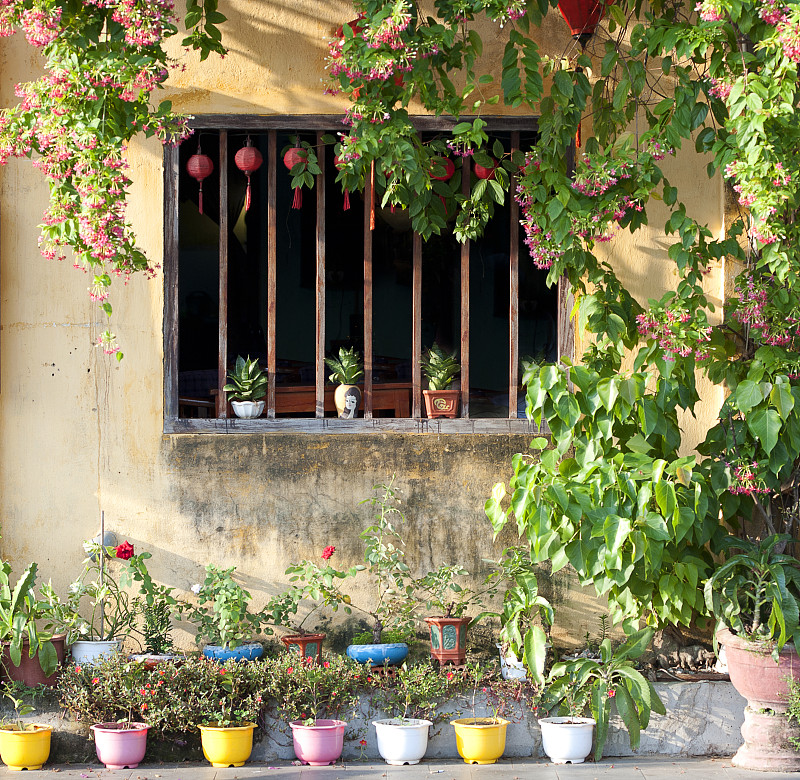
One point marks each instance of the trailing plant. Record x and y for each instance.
(440, 368)
(586, 683)
(247, 381)
(756, 592)
(346, 369)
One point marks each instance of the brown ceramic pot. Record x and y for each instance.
(441, 403)
(29, 670)
(449, 639)
(306, 645)
(755, 674)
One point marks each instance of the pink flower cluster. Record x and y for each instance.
(41, 26)
(719, 89)
(745, 480)
(667, 328)
(709, 11)
(755, 311)
(772, 12)
(596, 179)
(789, 37)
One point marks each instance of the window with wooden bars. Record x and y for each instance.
(290, 286)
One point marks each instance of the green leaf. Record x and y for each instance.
(765, 424)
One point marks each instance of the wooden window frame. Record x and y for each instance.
(221, 423)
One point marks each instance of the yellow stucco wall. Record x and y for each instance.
(80, 433)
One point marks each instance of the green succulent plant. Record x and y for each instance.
(345, 369)
(440, 368)
(248, 382)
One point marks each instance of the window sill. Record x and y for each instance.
(331, 425)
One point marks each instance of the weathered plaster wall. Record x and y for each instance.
(80, 433)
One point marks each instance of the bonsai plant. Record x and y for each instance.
(346, 370)
(440, 369)
(248, 384)
(24, 745)
(222, 618)
(26, 628)
(587, 683)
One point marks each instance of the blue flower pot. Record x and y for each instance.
(248, 652)
(378, 655)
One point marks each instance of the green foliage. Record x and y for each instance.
(346, 369)
(440, 368)
(575, 685)
(756, 592)
(247, 381)
(20, 711)
(441, 594)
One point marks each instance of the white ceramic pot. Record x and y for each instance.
(511, 667)
(90, 651)
(567, 740)
(247, 410)
(402, 740)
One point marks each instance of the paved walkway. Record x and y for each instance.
(645, 768)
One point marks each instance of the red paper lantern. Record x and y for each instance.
(485, 173)
(582, 17)
(446, 165)
(199, 166)
(248, 160)
(293, 157)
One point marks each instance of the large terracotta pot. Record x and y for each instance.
(755, 674)
(29, 670)
(449, 639)
(307, 645)
(441, 403)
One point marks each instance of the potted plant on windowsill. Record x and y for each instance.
(222, 619)
(24, 745)
(440, 369)
(346, 370)
(247, 385)
(754, 596)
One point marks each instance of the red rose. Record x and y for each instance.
(327, 552)
(124, 551)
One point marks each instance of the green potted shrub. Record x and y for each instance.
(440, 369)
(582, 684)
(247, 384)
(31, 649)
(346, 370)
(224, 624)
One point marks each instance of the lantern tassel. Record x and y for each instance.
(372, 196)
(578, 136)
(346, 206)
(298, 198)
(247, 196)
(201, 197)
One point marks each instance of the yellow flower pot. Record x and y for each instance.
(480, 740)
(227, 745)
(25, 749)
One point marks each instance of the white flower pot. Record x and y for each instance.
(247, 410)
(567, 740)
(90, 651)
(511, 667)
(402, 740)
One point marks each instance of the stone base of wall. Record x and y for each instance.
(703, 719)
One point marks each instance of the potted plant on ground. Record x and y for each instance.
(222, 618)
(581, 683)
(440, 369)
(248, 384)
(346, 369)
(32, 651)
(525, 617)
(384, 561)
(24, 745)
(754, 595)
(120, 745)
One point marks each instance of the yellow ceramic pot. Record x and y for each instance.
(227, 745)
(25, 749)
(480, 740)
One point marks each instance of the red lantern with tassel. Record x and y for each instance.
(582, 17)
(248, 160)
(199, 166)
(337, 161)
(443, 164)
(485, 173)
(295, 156)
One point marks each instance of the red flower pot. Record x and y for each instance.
(441, 403)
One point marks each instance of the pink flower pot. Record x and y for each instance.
(320, 744)
(120, 745)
